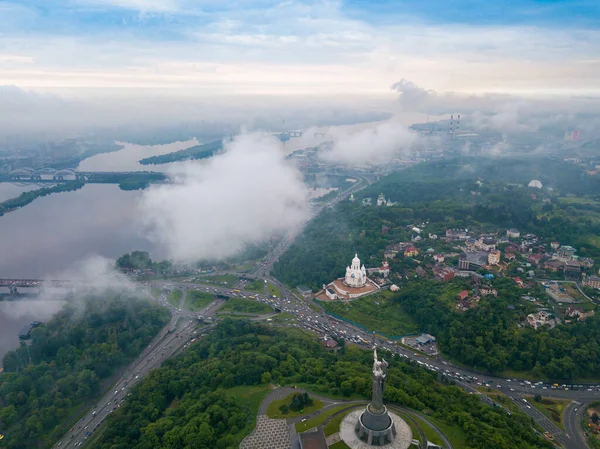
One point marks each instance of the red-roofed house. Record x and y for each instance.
(411, 251)
(519, 282)
(463, 295)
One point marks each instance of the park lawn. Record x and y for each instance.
(552, 408)
(256, 286)
(333, 426)
(245, 306)
(318, 420)
(250, 396)
(274, 412)
(197, 300)
(453, 432)
(174, 297)
(375, 313)
(430, 434)
(274, 290)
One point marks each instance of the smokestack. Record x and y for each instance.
(458, 123)
(451, 120)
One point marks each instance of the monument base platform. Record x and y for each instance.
(385, 423)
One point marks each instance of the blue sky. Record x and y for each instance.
(353, 46)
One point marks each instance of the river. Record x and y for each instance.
(16, 314)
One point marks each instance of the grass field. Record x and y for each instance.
(250, 397)
(431, 434)
(375, 313)
(318, 420)
(284, 317)
(197, 300)
(333, 426)
(174, 297)
(245, 306)
(274, 290)
(453, 432)
(256, 286)
(552, 408)
(219, 279)
(274, 412)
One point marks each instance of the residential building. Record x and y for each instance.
(554, 265)
(513, 233)
(486, 244)
(535, 258)
(592, 281)
(329, 343)
(494, 257)
(540, 318)
(519, 282)
(390, 253)
(486, 291)
(457, 234)
(566, 252)
(443, 273)
(439, 258)
(554, 245)
(463, 295)
(411, 251)
(394, 288)
(586, 262)
(510, 256)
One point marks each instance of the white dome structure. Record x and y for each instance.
(356, 275)
(535, 183)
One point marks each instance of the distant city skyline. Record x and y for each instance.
(358, 47)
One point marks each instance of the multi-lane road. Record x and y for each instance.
(164, 345)
(167, 344)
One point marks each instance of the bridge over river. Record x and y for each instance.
(14, 284)
(53, 175)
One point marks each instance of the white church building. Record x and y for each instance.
(353, 285)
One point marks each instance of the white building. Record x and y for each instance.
(381, 201)
(513, 233)
(356, 276)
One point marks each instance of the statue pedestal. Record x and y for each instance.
(363, 429)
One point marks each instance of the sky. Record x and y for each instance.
(314, 47)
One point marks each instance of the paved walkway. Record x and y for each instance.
(269, 434)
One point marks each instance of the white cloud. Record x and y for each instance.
(374, 145)
(138, 5)
(216, 208)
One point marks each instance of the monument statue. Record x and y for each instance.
(375, 426)
(379, 375)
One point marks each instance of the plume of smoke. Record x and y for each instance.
(218, 207)
(374, 145)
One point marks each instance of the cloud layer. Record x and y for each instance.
(376, 144)
(214, 209)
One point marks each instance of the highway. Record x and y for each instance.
(165, 345)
